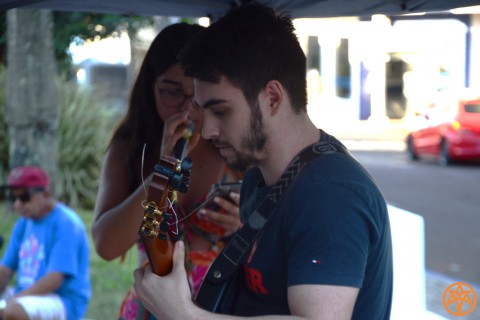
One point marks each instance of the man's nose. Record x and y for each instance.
(210, 129)
(17, 204)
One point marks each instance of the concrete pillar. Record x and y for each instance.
(475, 52)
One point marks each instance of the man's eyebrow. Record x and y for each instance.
(211, 102)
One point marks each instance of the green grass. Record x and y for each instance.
(110, 280)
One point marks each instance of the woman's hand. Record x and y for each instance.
(228, 216)
(172, 132)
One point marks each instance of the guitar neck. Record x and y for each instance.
(169, 176)
(154, 228)
(159, 253)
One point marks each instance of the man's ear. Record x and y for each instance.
(274, 92)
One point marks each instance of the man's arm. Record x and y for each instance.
(169, 297)
(324, 302)
(5, 276)
(47, 284)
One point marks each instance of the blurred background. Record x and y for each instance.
(64, 84)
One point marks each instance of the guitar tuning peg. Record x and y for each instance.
(186, 166)
(183, 188)
(166, 215)
(185, 184)
(164, 226)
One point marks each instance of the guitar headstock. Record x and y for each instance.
(169, 176)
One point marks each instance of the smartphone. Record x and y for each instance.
(222, 190)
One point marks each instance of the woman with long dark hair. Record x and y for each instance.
(160, 102)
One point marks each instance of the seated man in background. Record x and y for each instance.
(48, 250)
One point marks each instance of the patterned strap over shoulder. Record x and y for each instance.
(222, 269)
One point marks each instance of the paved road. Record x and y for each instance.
(448, 198)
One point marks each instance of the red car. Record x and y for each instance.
(448, 131)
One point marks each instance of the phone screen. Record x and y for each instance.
(222, 190)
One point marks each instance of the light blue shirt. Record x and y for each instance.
(56, 243)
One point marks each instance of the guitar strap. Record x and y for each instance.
(235, 252)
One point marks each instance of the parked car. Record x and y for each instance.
(449, 131)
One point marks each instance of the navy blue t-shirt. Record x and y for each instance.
(330, 227)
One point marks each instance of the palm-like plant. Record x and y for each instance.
(83, 134)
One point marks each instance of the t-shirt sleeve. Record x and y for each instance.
(65, 248)
(328, 236)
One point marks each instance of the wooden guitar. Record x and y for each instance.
(170, 175)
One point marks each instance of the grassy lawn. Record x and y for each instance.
(110, 280)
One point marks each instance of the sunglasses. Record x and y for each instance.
(24, 197)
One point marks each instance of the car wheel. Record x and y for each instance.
(411, 149)
(444, 159)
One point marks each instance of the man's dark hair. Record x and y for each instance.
(250, 46)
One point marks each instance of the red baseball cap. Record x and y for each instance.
(28, 177)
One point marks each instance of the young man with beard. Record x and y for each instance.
(325, 251)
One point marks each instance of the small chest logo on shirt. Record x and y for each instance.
(254, 280)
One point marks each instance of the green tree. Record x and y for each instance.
(79, 27)
(76, 26)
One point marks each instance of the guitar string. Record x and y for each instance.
(170, 206)
(143, 204)
(200, 206)
(171, 203)
(141, 168)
